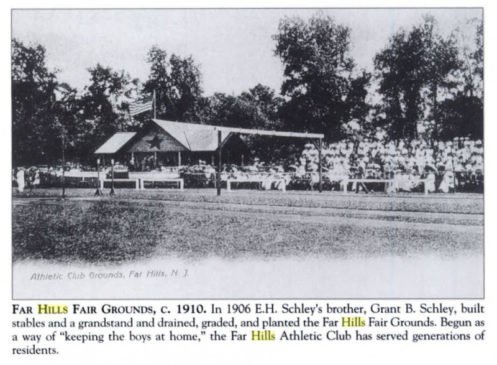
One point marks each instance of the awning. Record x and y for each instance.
(196, 137)
(203, 137)
(115, 143)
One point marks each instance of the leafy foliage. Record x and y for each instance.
(461, 116)
(257, 108)
(318, 74)
(177, 84)
(420, 76)
(34, 131)
(413, 64)
(104, 105)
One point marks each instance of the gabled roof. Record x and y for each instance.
(115, 143)
(195, 137)
(203, 137)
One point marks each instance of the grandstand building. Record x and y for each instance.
(168, 143)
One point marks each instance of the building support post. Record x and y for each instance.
(320, 154)
(63, 164)
(219, 164)
(112, 192)
(98, 192)
(179, 158)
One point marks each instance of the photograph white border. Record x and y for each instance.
(387, 353)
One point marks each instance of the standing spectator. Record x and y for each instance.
(20, 179)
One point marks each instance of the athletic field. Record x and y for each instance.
(247, 244)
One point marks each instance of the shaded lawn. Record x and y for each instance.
(116, 231)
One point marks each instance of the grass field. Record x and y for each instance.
(249, 244)
(245, 223)
(438, 203)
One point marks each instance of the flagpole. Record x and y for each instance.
(153, 102)
(130, 117)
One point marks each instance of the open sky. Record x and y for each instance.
(234, 48)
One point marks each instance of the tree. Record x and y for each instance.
(227, 110)
(264, 107)
(440, 62)
(399, 71)
(318, 73)
(177, 84)
(33, 129)
(461, 116)
(477, 55)
(256, 108)
(472, 61)
(71, 130)
(104, 106)
(359, 108)
(413, 64)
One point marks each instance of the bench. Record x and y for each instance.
(254, 180)
(345, 183)
(136, 181)
(179, 181)
(387, 183)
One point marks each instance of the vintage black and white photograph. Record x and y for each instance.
(247, 153)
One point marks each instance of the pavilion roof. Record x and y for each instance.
(115, 143)
(196, 137)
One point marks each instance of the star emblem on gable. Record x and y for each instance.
(155, 142)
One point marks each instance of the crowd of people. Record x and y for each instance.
(43, 175)
(449, 166)
(416, 165)
(443, 166)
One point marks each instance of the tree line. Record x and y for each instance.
(419, 78)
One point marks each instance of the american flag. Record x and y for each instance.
(141, 106)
